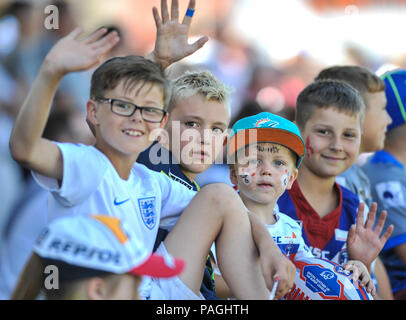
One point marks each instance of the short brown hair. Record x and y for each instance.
(360, 78)
(328, 94)
(132, 69)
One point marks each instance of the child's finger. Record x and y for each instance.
(198, 44)
(105, 40)
(351, 234)
(164, 11)
(360, 216)
(175, 10)
(381, 222)
(353, 269)
(157, 18)
(187, 20)
(371, 216)
(75, 33)
(387, 234)
(107, 43)
(371, 288)
(95, 35)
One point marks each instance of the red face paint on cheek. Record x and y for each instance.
(309, 149)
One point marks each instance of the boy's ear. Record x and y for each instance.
(91, 117)
(96, 289)
(292, 178)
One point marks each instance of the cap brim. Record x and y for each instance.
(283, 137)
(156, 266)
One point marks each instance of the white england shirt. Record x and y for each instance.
(91, 185)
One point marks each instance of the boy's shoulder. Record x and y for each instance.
(356, 180)
(382, 159)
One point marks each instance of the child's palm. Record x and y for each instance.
(72, 54)
(172, 36)
(364, 242)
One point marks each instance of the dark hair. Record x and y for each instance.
(328, 94)
(130, 69)
(360, 78)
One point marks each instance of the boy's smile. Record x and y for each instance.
(332, 141)
(127, 135)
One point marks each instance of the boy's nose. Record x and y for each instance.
(336, 144)
(204, 136)
(388, 117)
(265, 170)
(137, 116)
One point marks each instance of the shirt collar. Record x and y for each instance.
(384, 156)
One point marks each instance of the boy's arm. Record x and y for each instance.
(364, 243)
(171, 42)
(69, 54)
(384, 286)
(274, 264)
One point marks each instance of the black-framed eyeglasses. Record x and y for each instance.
(127, 109)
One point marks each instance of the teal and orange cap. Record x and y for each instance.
(266, 127)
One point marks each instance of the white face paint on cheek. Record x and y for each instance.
(285, 178)
(246, 175)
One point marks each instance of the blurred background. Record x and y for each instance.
(268, 51)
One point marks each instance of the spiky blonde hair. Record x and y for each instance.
(199, 82)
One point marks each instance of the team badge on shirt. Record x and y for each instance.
(390, 194)
(148, 212)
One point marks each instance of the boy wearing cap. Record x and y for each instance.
(376, 119)
(128, 99)
(386, 171)
(329, 114)
(96, 256)
(265, 152)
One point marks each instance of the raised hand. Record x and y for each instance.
(71, 54)
(363, 242)
(171, 42)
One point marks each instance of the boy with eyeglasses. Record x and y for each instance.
(104, 178)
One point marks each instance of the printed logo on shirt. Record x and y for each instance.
(318, 253)
(117, 203)
(148, 212)
(390, 193)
